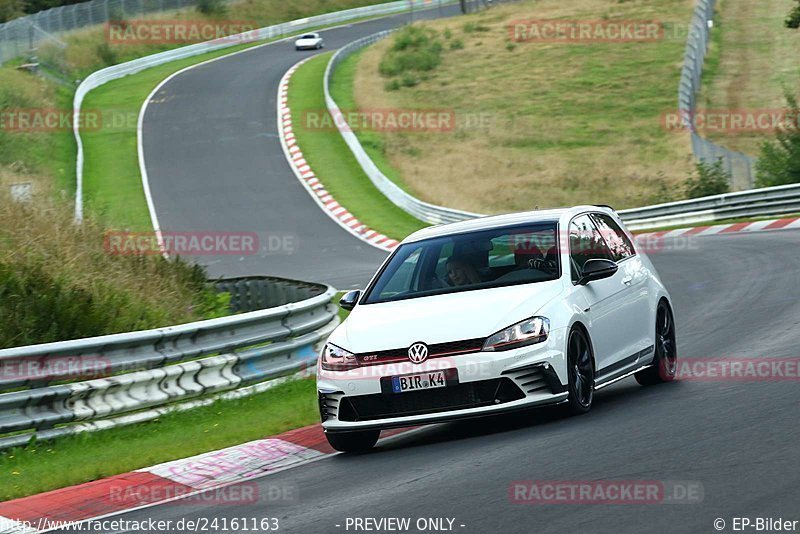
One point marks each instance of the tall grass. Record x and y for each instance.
(57, 281)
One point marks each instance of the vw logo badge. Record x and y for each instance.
(418, 352)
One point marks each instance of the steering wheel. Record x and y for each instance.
(541, 264)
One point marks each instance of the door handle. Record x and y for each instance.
(627, 280)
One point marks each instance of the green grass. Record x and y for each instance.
(538, 123)
(373, 143)
(85, 457)
(334, 164)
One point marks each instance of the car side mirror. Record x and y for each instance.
(350, 299)
(597, 270)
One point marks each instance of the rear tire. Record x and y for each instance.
(580, 372)
(665, 360)
(357, 441)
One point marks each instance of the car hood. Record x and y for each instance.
(307, 41)
(441, 318)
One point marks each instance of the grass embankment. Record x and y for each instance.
(538, 123)
(56, 279)
(332, 161)
(91, 456)
(753, 62)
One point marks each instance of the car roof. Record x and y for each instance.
(499, 221)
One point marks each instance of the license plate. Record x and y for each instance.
(429, 380)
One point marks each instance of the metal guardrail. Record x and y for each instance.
(766, 202)
(423, 211)
(100, 77)
(44, 390)
(739, 166)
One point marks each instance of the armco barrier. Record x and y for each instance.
(100, 77)
(423, 211)
(43, 387)
(765, 202)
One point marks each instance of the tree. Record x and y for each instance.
(710, 179)
(793, 20)
(779, 162)
(11, 9)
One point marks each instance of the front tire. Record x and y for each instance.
(357, 441)
(580, 372)
(665, 360)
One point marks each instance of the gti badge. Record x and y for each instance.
(418, 352)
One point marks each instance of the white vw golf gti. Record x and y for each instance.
(491, 315)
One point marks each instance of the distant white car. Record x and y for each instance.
(309, 41)
(494, 314)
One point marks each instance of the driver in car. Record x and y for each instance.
(461, 272)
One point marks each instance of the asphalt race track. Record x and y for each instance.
(215, 164)
(735, 296)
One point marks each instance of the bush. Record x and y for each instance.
(471, 27)
(793, 20)
(392, 85)
(779, 162)
(409, 80)
(456, 44)
(414, 49)
(710, 179)
(107, 55)
(211, 7)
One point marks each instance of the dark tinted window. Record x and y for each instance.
(619, 244)
(585, 243)
(463, 262)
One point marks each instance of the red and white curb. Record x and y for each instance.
(309, 180)
(742, 227)
(199, 479)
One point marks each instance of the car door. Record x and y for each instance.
(609, 303)
(636, 276)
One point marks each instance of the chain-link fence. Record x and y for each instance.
(20, 36)
(739, 166)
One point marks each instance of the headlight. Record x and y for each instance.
(527, 332)
(337, 359)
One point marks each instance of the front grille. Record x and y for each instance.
(452, 397)
(437, 350)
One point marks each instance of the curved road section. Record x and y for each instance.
(215, 166)
(725, 448)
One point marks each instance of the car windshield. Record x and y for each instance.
(308, 36)
(464, 262)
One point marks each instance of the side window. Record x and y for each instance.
(585, 243)
(621, 247)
